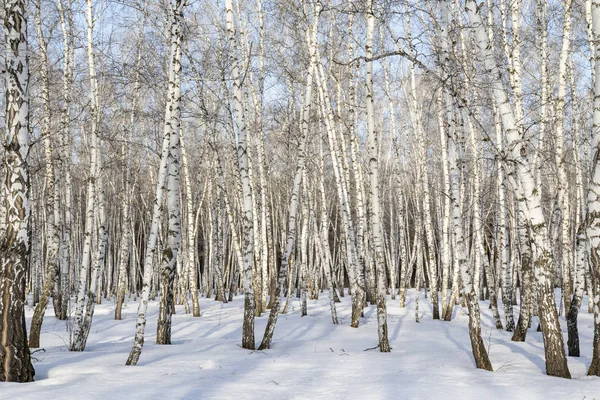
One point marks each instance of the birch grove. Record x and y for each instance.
(268, 154)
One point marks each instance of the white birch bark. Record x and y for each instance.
(522, 234)
(590, 33)
(562, 195)
(593, 198)
(402, 238)
(172, 128)
(263, 226)
(82, 322)
(256, 240)
(16, 360)
(191, 229)
(303, 272)
(580, 257)
(242, 157)
(581, 250)
(374, 190)
(542, 45)
(136, 350)
(392, 266)
(514, 71)
(446, 130)
(66, 18)
(101, 237)
(503, 232)
(323, 234)
(418, 255)
(216, 247)
(356, 163)
(479, 350)
(52, 205)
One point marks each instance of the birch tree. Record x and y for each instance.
(14, 245)
(169, 152)
(94, 203)
(173, 130)
(375, 217)
(242, 159)
(52, 210)
(64, 165)
(311, 38)
(593, 199)
(191, 224)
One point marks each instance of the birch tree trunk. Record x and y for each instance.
(445, 132)
(402, 237)
(375, 217)
(169, 254)
(527, 288)
(14, 244)
(446, 259)
(503, 233)
(66, 18)
(242, 158)
(478, 347)
(311, 37)
(216, 249)
(323, 234)
(575, 305)
(265, 211)
(478, 226)
(173, 130)
(542, 47)
(136, 351)
(593, 211)
(581, 249)
(391, 253)
(303, 272)
(101, 237)
(562, 195)
(362, 256)
(80, 330)
(52, 210)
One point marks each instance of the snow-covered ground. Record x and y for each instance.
(310, 358)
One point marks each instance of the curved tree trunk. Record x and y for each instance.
(136, 350)
(52, 211)
(293, 209)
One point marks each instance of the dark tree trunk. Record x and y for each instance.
(573, 340)
(526, 289)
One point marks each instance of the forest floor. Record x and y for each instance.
(310, 358)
